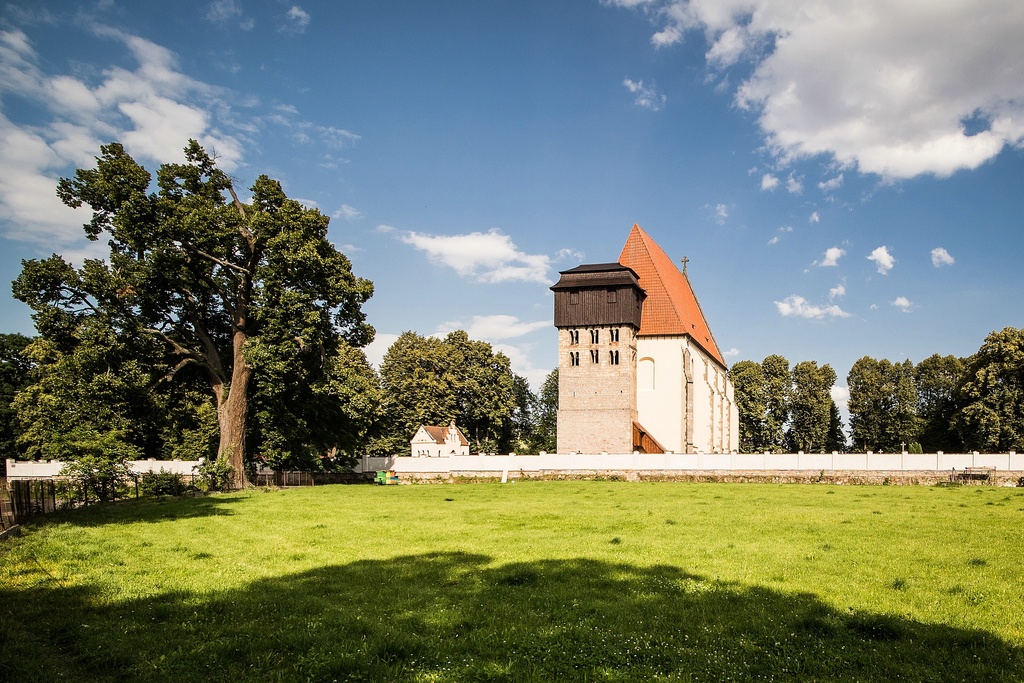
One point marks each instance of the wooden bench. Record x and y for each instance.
(971, 475)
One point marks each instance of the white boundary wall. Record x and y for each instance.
(867, 462)
(44, 469)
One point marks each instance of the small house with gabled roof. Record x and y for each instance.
(433, 442)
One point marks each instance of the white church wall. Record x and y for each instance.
(661, 390)
(661, 395)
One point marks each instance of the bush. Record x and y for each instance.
(99, 476)
(915, 447)
(162, 483)
(214, 475)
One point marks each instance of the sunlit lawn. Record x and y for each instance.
(591, 580)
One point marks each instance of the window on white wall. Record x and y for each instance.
(645, 374)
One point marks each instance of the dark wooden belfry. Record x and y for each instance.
(598, 294)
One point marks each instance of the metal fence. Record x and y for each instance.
(21, 499)
(287, 478)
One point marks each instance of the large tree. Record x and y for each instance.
(545, 428)
(810, 407)
(937, 378)
(762, 393)
(427, 380)
(991, 413)
(883, 404)
(14, 374)
(206, 274)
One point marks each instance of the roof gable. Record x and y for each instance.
(440, 434)
(671, 307)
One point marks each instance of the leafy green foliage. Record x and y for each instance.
(810, 407)
(884, 405)
(214, 475)
(991, 414)
(14, 374)
(162, 483)
(194, 278)
(426, 380)
(762, 392)
(545, 434)
(101, 465)
(937, 378)
(88, 381)
(836, 439)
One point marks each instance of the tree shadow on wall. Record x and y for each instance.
(453, 617)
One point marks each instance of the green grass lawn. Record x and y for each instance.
(581, 581)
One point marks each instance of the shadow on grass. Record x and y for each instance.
(454, 617)
(146, 509)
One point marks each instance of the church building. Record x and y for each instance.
(639, 369)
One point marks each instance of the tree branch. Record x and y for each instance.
(219, 262)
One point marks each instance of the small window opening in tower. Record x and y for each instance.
(574, 358)
(613, 357)
(595, 356)
(574, 298)
(595, 336)
(613, 296)
(614, 333)
(574, 337)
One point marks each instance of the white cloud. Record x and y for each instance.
(794, 185)
(731, 353)
(152, 109)
(832, 184)
(902, 303)
(769, 182)
(841, 397)
(376, 349)
(646, 96)
(492, 328)
(489, 257)
(870, 84)
(797, 306)
(721, 213)
(779, 233)
(151, 106)
(836, 292)
(296, 20)
(941, 257)
(347, 212)
(567, 254)
(884, 261)
(225, 11)
(832, 256)
(814, 218)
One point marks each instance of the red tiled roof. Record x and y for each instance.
(439, 434)
(671, 307)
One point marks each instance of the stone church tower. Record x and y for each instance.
(662, 384)
(597, 313)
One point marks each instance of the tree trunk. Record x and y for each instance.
(232, 412)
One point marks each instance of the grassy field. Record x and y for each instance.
(574, 581)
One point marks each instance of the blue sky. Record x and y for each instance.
(844, 176)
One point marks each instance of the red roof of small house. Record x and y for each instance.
(438, 434)
(671, 307)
